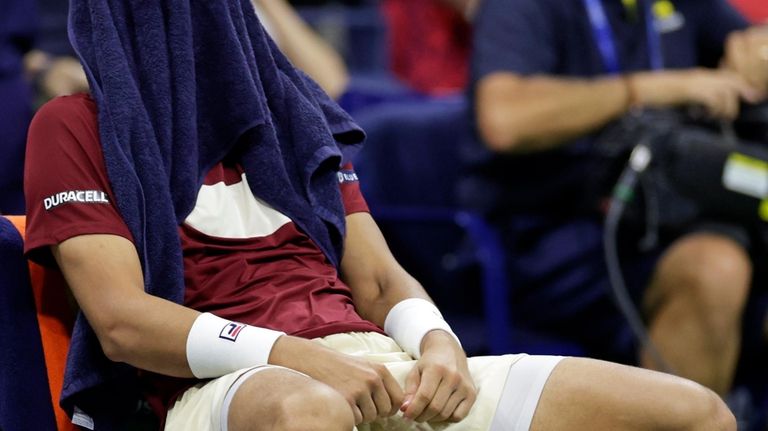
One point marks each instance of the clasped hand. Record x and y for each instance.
(439, 388)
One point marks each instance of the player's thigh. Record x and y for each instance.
(589, 394)
(278, 398)
(266, 397)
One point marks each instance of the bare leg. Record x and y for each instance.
(284, 400)
(696, 301)
(585, 394)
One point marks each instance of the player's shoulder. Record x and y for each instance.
(78, 110)
(65, 125)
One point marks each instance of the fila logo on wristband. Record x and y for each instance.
(217, 346)
(231, 331)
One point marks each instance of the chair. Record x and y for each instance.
(408, 169)
(35, 322)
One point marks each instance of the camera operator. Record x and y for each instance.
(548, 77)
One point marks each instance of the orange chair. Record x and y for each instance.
(55, 319)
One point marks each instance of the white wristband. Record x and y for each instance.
(216, 346)
(410, 320)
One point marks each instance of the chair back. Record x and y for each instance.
(36, 322)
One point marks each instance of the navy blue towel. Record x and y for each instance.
(180, 85)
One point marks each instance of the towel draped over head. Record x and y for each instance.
(179, 85)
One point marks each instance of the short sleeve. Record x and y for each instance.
(514, 36)
(350, 191)
(65, 181)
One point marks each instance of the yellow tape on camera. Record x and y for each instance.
(746, 175)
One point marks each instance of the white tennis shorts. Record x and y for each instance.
(509, 388)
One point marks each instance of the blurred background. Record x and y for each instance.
(402, 69)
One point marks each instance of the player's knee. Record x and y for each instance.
(316, 408)
(718, 414)
(702, 410)
(725, 419)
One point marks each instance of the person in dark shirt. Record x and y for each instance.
(548, 77)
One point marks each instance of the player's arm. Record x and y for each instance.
(104, 274)
(150, 333)
(439, 387)
(531, 113)
(377, 281)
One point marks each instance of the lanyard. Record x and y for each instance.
(606, 42)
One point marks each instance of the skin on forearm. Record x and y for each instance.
(377, 281)
(526, 114)
(104, 274)
(305, 48)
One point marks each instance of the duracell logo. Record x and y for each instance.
(75, 196)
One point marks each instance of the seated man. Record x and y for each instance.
(549, 76)
(201, 208)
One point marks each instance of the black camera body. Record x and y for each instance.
(699, 170)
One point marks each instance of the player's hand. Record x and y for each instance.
(439, 388)
(369, 388)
